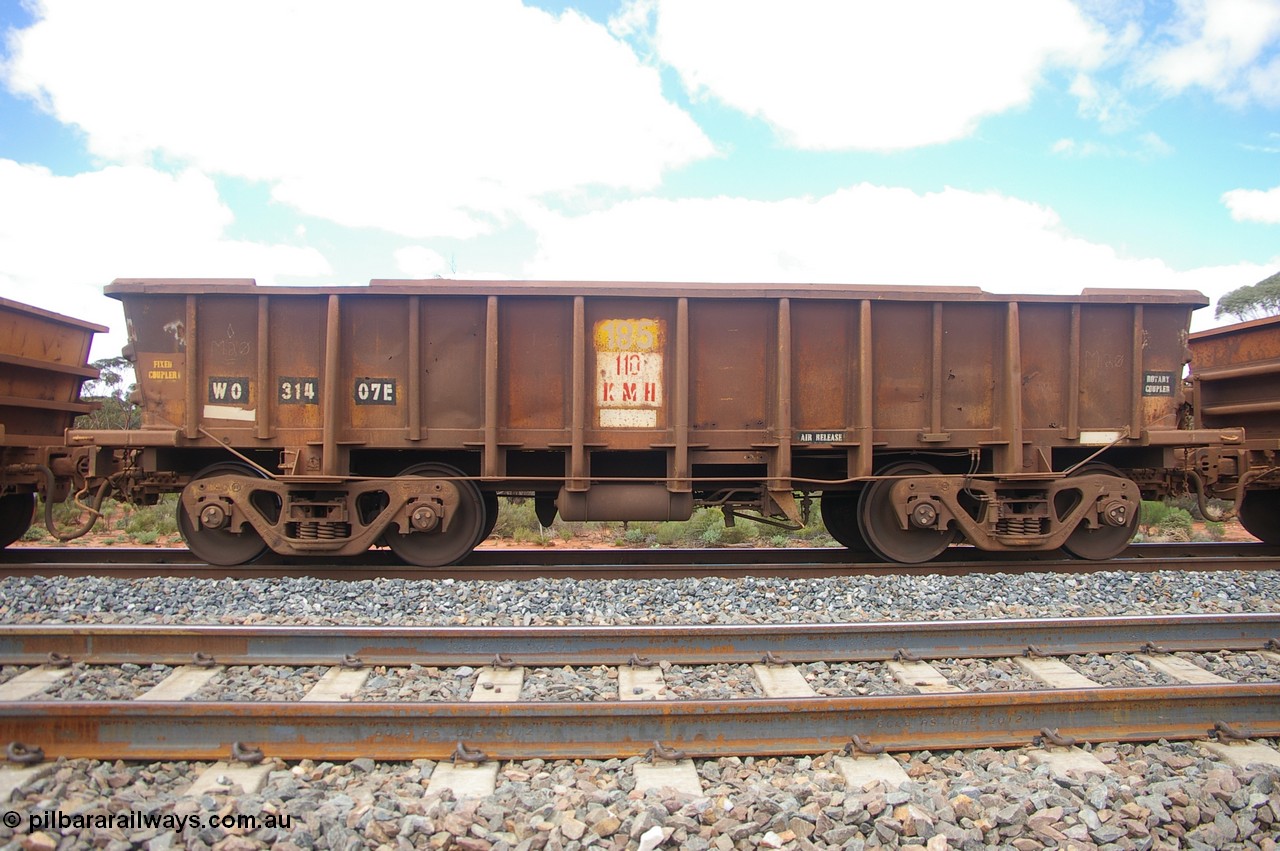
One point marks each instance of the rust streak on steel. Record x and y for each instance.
(137, 730)
(594, 645)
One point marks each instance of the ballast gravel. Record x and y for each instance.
(1161, 795)
(847, 679)
(105, 682)
(1240, 667)
(562, 602)
(260, 682)
(987, 675)
(1119, 669)
(570, 684)
(418, 683)
(709, 682)
(8, 672)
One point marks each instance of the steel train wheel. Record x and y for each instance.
(221, 546)
(1103, 542)
(1260, 515)
(490, 515)
(879, 523)
(840, 516)
(466, 527)
(16, 513)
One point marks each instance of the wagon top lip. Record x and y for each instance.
(49, 315)
(647, 289)
(1227, 330)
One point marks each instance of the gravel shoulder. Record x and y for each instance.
(1160, 795)
(561, 602)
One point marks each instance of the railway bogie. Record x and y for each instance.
(395, 413)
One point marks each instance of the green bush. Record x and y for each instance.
(1190, 504)
(130, 523)
(640, 533)
(153, 520)
(740, 532)
(516, 515)
(669, 533)
(517, 521)
(1176, 524)
(1167, 520)
(66, 515)
(1153, 513)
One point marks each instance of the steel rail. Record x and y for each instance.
(614, 645)
(175, 731)
(627, 564)
(489, 556)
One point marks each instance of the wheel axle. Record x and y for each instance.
(424, 518)
(213, 516)
(924, 515)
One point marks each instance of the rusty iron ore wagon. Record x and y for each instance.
(322, 421)
(1236, 382)
(45, 360)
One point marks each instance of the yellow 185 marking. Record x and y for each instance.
(627, 335)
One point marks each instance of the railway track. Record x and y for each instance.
(496, 724)
(617, 563)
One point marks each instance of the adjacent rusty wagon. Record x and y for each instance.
(1236, 383)
(323, 421)
(45, 361)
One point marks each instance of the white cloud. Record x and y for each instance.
(1147, 146)
(425, 119)
(1271, 147)
(1254, 205)
(1217, 45)
(863, 234)
(416, 261)
(829, 74)
(1104, 103)
(63, 238)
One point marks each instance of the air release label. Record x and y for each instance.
(819, 437)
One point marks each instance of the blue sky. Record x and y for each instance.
(1018, 145)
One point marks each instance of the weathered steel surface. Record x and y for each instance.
(600, 645)
(776, 369)
(638, 401)
(43, 361)
(133, 730)
(1236, 375)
